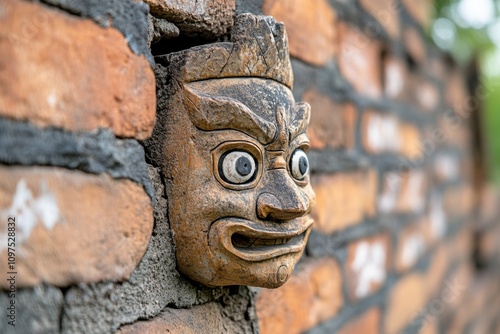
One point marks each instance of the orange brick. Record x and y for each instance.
(311, 28)
(421, 10)
(332, 124)
(414, 44)
(366, 323)
(71, 73)
(412, 244)
(386, 12)
(403, 192)
(383, 133)
(368, 261)
(440, 262)
(459, 201)
(343, 199)
(311, 296)
(395, 77)
(407, 298)
(360, 61)
(73, 227)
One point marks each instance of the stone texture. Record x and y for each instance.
(95, 79)
(386, 12)
(368, 262)
(207, 318)
(360, 60)
(406, 299)
(344, 199)
(312, 295)
(311, 28)
(73, 227)
(332, 124)
(366, 323)
(208, 18)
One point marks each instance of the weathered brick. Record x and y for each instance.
(332, 124)
(312, 295)
(366, 323)
(360, 60)
(62, 71)
(440, 262)
(395, 77)
(420, 10)
(73, 227)
(386, 12)
(211, 18)
(368, 262)
(311, 28)
(407, 298)
(412, 244)
(459, 201)
(383, 133)
(403, 192)
(446, 167)
(414, 44)
(343, 199)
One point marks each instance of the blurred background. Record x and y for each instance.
(470, 30)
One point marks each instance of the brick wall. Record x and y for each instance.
(406, 228)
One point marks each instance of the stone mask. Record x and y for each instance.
(231, 142)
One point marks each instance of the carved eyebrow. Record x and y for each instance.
(211, 112)
(300, 118)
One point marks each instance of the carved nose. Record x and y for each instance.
(286, 207)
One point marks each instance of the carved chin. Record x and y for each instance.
(256, 242)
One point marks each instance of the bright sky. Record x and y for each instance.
(476, 13)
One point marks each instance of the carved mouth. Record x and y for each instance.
(260, 241)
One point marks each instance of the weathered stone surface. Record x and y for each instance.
(96, 153)
(66, 72)
(208, 318)
(72, 227)
(159, 29)
(38, 310)
(211, 18)
(311, 296)
(311, 28)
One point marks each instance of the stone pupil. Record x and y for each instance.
(243, 166)
(303, 165)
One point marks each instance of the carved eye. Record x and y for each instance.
(237, 167)
(299, 164)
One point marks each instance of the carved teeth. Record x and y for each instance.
(246, 242)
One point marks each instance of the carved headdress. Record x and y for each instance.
(258, 48)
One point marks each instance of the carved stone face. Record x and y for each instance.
(238, 181)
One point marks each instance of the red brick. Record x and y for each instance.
(407, 298)
(414, 44)
(395, 77)
(386, 12)
(366, 323)
(439, 265)
(311, 28)
(343, 199)
(368, 261)
(332, 124)
(412, 244)
(207, 318)
(311, 296)
(360, 61)
(383, 133)
(73, 227)
(421, 10)
(459, 201)
(403, 192)
(60, 70)
(424, 94)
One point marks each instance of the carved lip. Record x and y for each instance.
(253, 241)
